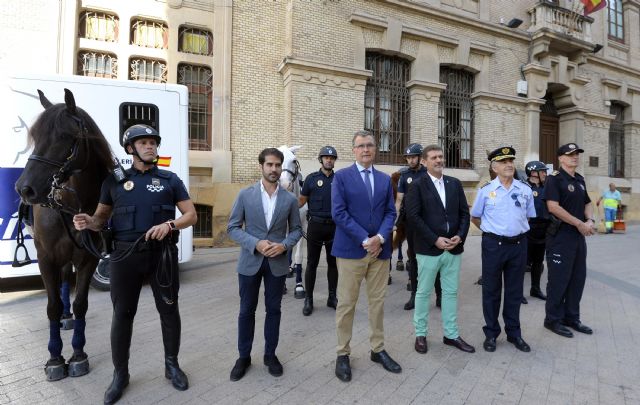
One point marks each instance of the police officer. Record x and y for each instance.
(500, 210)
(571, 220)
(536, 174)
(408, 175)
(142, 207)
(316, 192)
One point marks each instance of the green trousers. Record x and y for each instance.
(428, 267)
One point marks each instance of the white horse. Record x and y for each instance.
(291, 179)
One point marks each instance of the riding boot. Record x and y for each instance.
(412, 268)
(536, 274)
(171, 327)
(121, 330)
(332, 300)
(308, 306)
(117, 386)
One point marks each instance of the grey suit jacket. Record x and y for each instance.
(247, 210)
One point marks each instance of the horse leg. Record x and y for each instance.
(79, 362)
(298, 253)
(65, 293)
(55, 368)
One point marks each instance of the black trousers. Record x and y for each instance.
(127, 278)
(567, 272)
(502, 261)
(319, 234)
(535, 259)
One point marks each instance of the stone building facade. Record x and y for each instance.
(457, 72)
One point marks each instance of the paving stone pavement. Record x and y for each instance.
(600, 369)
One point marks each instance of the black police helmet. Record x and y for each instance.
(413, 150)
(139, 131)
(328, 151)
(534, 166)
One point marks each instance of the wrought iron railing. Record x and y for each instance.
(455, 118)
(198, 80)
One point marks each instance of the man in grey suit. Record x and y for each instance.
(267, 213)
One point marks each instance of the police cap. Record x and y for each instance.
(505, 152)
(534, 166)
(328, 151)
(413, 150)
(139, 131)
(568, 149)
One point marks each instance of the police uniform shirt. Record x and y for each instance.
(538, 201)
(145, 199)
(408, 176)
(570, 192)
(317, 189)
(504, 212)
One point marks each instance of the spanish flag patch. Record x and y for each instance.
(164, 161)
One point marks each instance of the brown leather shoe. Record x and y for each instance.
(421, 344)
(459, 343)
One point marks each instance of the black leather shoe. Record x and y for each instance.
(519, 343)
(387, 362)
(240, 368)
(421, 344)
(400, 265)
(524, 300)
(117, 386)
(489, 344)
(459, 343)
(411, 303)
(537, 292)
(332, 300)
(343, 368)
(558, 328)
(273, 365)
(308, 306)
(578, 327)
(173, 372)
(389, 281)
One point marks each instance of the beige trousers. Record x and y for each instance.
(350, 275)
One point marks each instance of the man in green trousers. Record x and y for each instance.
(437, 207)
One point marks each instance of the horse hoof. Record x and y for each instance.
(67, 322)
(55, 369)
(299, 292)
(79, 365)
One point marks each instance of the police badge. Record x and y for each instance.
(535, 193)
(409, 180)
(128, 185)
(319, 183)
(155, 182)
(571, 188)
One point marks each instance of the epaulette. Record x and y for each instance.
(485, 184)
(404, 170)
(165, 174)
(554, 173)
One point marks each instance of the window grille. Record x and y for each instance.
(455, 118)
(96, 64)
(616, 142)
(150, 34)
(192, 40)
(198, 80)
(204, 225)
(616, 20)
(98, 26)
(148, 70)
(387, 106)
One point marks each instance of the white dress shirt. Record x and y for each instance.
(439, 185)
(362, 174)
(268, 203)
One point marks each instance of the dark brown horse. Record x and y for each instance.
(63, 175)
(400, 234)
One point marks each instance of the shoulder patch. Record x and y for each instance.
(555, 173)
(485, 184)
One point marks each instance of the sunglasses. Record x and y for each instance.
(514, 197)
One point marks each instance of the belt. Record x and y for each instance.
(505, 239)
(141, 247)
(321, 220)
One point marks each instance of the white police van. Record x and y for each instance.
(114, 105)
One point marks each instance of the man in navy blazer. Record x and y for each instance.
(364, 213)
(439, 213)
(260, 219)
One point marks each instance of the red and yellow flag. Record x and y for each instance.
(591, 6)
(164, 161)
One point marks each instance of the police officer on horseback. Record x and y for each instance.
(316, 192)
(142, 212)
(536, 175)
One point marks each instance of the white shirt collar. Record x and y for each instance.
(434, 179)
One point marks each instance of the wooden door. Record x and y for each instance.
(549, 138)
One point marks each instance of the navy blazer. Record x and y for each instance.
(355, 218)
(429, 218)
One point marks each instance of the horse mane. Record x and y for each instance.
(395, 179)
(55, 123)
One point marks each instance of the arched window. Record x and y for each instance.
(98, 25)
(455, 117)
(616, 141)
(148, 70)
(387, 105)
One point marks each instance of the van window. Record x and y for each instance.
(138, 113)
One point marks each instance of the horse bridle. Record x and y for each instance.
(294, 174)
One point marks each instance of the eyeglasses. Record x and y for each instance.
(365, 146)
(514, 197)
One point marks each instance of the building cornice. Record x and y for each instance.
(304, 70)
(505, 98)
(596, 60)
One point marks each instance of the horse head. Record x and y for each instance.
(290, 167)
(62, 137)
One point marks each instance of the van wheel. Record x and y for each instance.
(100, 280)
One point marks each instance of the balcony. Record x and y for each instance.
(560, 29)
